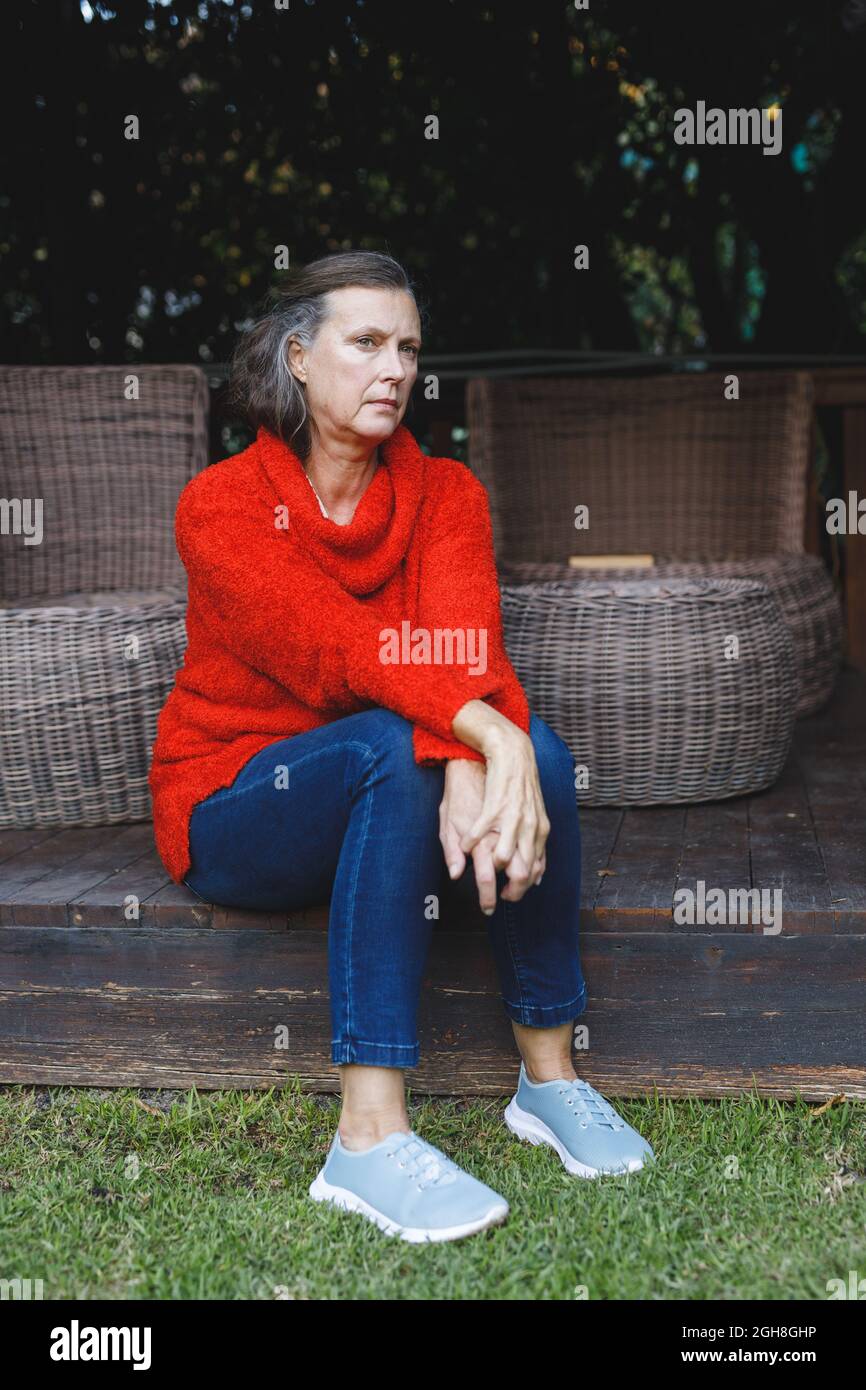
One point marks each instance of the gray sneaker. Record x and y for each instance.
(409, 1188)
(584, 1129)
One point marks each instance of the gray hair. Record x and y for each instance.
(262, 387)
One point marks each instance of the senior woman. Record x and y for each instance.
(346, 715)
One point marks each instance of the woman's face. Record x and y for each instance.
(366, 351)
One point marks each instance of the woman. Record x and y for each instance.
(346, 713)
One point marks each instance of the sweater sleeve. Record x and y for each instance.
(459, 589)
(264, 600)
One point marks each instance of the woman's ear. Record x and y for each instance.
(295, 360)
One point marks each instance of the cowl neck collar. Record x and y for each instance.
(364, 554)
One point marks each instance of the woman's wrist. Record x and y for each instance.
(465, 767)
(483, 728)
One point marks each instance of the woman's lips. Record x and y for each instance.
(392, 404)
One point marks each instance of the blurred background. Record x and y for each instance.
(304, 127)
(267, 132)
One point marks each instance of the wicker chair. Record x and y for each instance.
(640, 680)
(93, 612)
(668, 467)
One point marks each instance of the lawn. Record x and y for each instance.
(175, 1195)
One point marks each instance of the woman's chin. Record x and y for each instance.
(382, 426)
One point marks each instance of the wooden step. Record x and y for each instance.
(111, 974)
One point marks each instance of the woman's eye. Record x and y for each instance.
(411, 346)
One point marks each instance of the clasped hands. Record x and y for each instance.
(494, 812)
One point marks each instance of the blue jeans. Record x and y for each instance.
(345, 812)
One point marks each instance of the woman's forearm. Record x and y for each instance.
(483, 728)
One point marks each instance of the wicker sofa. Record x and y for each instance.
(668, 467)
(92, 592)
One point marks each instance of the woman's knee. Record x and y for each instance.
(384, 733)
(553, 756)
(387, 739)
(549, 747)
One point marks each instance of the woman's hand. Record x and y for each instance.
(512, 804)
(514, 807)
(462, 804)
(459, 809)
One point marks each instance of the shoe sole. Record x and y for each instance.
(530, 1127)
(323, 1191)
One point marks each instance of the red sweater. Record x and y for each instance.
(289, 615)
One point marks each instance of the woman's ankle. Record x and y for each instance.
(364, 1134)
(374, 1105)
(543, 1069)
(546, 1052)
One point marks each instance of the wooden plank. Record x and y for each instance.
(128, 1006)
(786, 855)
(716, 853)
(712, 850)
(15, 842)
(46, 900)
(113, 901)
(787, 1009)
(43, 858)
(142, 893)
(638, 893)
(600, 828)
(836, 791)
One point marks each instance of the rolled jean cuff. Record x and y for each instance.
(543, 1016)
(374, 1054)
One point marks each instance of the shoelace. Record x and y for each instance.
(424, 1163)
(587, 1101)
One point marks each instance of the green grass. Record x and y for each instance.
(130, 1194)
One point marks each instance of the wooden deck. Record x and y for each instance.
(110, 974)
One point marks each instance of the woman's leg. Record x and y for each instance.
(344, 811)
(535, 941)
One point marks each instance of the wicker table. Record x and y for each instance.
(800, 584)
(665, 691)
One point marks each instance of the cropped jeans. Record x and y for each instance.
(345, 812)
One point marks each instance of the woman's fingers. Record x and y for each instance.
(518, 884)
(483, 825)
(454, 856)
(513, 807)
(542, 832)
(527, 840)
(519, 881)
(503, 796)
(485, 874)
(507, 842)
(519, 878)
